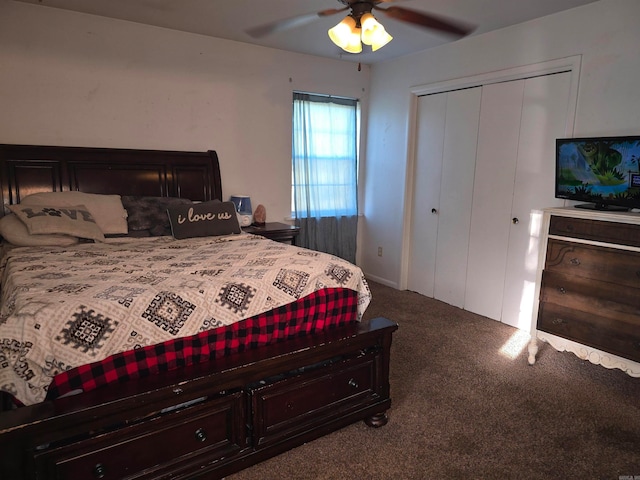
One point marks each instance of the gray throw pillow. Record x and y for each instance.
(149, 214)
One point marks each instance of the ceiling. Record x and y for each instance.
(229, 19)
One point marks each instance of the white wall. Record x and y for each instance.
(74, 79)
(605, 33)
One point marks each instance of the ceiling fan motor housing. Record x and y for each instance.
(358, 8)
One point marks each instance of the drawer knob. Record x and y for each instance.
(562, 290)
(434, 211)
(574, 261)
(99, 471)
(201, 435)
(353, 383)
(559, 321)
(515, 220)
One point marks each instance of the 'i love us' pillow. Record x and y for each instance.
(203, 219)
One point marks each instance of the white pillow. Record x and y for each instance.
(75, 220)
(14, 231)
(107, 210)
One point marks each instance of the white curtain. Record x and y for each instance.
(325, 173)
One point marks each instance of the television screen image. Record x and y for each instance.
(603, 171)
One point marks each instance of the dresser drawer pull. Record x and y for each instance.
(99, 471)
(201, 435)
(562, 290)
(574, 261)
(559, 321)
(353, 383)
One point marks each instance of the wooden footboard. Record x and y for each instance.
(208, 420)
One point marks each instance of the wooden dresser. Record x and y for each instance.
(589, 287)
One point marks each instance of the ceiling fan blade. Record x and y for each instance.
(287, 23)
(426, 20)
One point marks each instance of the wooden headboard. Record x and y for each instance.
(27, 169)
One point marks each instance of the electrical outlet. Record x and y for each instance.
(379, 251)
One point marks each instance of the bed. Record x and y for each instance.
(137, 355)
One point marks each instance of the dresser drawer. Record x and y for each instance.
(602, 333)
(301, 403)
(596, 230)
(214, 428)
(606, 299)
(602, 263)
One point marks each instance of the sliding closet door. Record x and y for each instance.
(519, 123)
(485, 165)
(444, 170)
(544, 118)
(432, 111)
(458, 168)
(499, 129)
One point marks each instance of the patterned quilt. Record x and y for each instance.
(70, 306)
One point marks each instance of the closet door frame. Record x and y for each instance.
(568, 64)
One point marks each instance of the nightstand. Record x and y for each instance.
(280, 232)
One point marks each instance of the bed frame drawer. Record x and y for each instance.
(170, 443)
(301, 403)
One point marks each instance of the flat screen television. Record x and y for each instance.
(604, 172)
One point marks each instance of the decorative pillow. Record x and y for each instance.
(15, 232)
(149, 214)
(107, 210)
(203, 219)
(76, 220)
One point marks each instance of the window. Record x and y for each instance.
(325, 142)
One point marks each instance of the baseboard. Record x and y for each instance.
(383, 281)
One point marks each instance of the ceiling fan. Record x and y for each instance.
(360, 25)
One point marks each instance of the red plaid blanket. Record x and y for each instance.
(323, 309)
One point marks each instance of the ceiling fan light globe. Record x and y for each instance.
(342, 33)
(369, 25)
(380, 39)
(354, 46)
